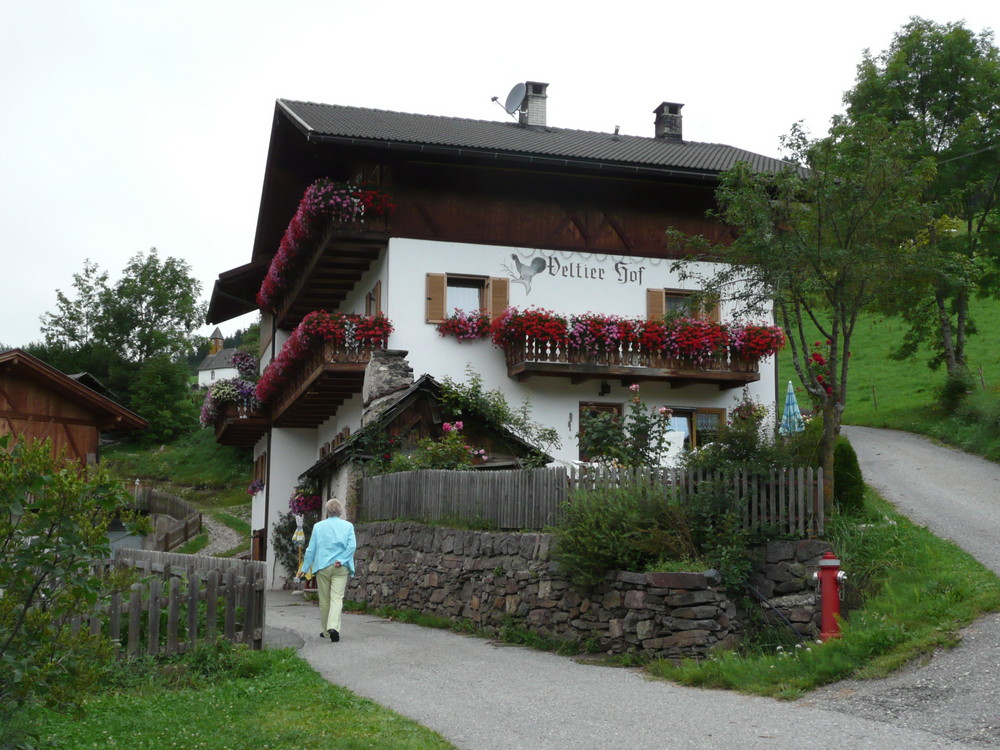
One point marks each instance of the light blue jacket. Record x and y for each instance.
(332, 540)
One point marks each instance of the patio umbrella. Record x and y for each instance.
(791, 417)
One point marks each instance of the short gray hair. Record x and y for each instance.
(334, 507)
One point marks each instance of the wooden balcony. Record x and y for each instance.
(328, 274)
(240, 427)
(330, 376)
(533, 358)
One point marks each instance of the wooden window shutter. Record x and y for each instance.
(377, 297)
(437, 295)
(656, 304)
(712, 309)
(497, 296)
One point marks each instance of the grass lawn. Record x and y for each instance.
(902, 395)
(264, 699)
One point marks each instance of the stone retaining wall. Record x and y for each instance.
(492, 578)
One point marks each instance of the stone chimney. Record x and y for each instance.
(387, 374)
(532, 111)
(668, 121)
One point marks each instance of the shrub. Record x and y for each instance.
(848, 482)
(956, 387)
(638, 439)
(53, 519)
(606, 530)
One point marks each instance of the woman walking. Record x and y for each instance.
(331, 555)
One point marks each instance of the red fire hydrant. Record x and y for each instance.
(829, 580)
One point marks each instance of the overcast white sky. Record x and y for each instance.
(132, 124)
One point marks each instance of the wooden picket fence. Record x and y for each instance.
(183, 600)
(790, 500)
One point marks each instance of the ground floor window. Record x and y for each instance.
(700, 426)
(691, 427)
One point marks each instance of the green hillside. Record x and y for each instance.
(902, 395)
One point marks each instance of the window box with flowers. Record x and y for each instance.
(324, 205)
(465, 326)
(584, 344)
(321, 338)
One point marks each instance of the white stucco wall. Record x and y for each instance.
(207, 377)
(571, 283)
(292, 452)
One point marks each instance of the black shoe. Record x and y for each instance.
(322, 635)
(334, 635)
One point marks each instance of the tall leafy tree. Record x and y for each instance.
(943, 82)
(162, 395)
(818, 243)
(153, 309)
(75, 319)
(112, 331)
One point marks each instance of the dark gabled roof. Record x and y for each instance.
(381, 128)
(218, 361)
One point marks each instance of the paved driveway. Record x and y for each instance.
(486, 696)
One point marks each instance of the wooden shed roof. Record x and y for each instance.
(108, 414)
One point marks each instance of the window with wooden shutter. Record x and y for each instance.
(437, 295)
(447, 292)
(497, 295)
(680, 302)
(655, 304)
(373, 300)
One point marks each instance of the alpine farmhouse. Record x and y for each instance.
(470, 215)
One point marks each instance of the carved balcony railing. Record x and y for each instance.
(627, 363)
(328, 376)
(239, 426)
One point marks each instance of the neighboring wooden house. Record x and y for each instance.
(38, 402)
(218, 363)
(487, 215)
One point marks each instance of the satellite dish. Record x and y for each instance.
(515, 97)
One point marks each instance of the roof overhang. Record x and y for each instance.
(235, 292)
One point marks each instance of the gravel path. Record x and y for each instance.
(486, 696)
(221, 538)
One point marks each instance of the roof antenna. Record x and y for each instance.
(514, 99)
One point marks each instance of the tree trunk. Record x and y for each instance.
(944, 326)
(827, 443)
(961, 316)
